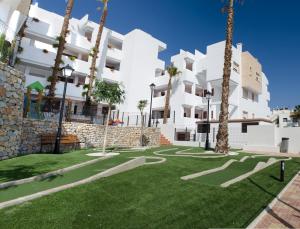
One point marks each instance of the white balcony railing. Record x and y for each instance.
(160, 64)
(114, 53)
(111, 75)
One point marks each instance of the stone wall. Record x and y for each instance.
(90, 135)
(12, 84)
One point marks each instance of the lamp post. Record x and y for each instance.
(67, 72)
(152, 86)
(208, 97)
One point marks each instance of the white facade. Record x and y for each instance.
(132, 60)
(129, 59)
(200, 72)
(13, 14)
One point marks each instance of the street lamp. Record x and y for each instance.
(152, 86)
(208, 97)
(67, 71)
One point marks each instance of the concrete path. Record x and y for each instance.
(284, 211)
(206, 172)
(129, 165)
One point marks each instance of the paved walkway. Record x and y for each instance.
(286, 211)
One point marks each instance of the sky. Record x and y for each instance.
(270, 30)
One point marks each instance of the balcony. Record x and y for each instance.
(78, 65)
(160, 64)
(72, 90)
(159, 102)
(111, 75)
(161, 80)
(41, 28)
(45, 58)
(75, 40)
(37, 56)
(114, 53)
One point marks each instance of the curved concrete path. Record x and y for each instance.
(206, 172)
(50, 174)
(260, 166)
(129, 165)
(182, 154)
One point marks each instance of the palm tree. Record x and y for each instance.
(94, 55)
(141, 106)
(110, 93)
(222, 136)
(60, 48)
(173, 72)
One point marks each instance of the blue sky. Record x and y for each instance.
(270, 30)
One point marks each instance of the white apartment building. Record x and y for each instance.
(249, 95)
(132, 60)
(129, 59)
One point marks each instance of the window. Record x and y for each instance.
(189, 65)
(199, 92)
(81, 80)
(62, 79)
(285, 120)
(202, 128)
(245, 93)
(75, 109)
(188, 88)
(159, 114)
(88, 35)
(187, 112)
(245, 126)
(212, 114)
(198, 114)
(205, 115)
(39, 72)
(236, 67)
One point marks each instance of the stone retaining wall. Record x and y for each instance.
(91, 135)
(12, 84)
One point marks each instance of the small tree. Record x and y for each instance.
(141, 106)
(173, 72)
(110, 93)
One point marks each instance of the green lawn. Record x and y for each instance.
(34, 164)
(154, 196)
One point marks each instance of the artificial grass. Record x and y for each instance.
(234, 170)
(55, 181)
(154, 196)
(35, 164)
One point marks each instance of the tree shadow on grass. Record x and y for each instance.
(273, 195)
(270, 211)
(24, 171)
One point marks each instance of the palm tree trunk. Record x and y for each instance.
(95, 53)
(167, 103)
(61, 46)
(142, 129)
(106, 129)
(222, 136)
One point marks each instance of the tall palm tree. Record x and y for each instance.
(141, 106)
(173, 72)
(222, 136)
(94, 55)
(110, 93)
(60, 48)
